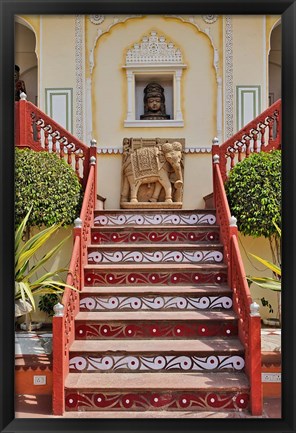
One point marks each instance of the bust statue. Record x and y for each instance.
(154, 102)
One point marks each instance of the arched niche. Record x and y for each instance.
(275, 63)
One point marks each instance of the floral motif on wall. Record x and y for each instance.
(210, 19)
(97, 19)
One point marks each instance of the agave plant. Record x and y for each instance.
(269, 283)
(27, 284)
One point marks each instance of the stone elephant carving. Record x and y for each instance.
(152, 165)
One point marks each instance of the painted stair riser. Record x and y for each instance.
(155, 330)
(159, 256)
(104, 363)
(153, 303)
(153, 236)
(170, 278)
(146, 400)
(159, 218)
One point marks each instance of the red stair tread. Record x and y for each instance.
(152, 211)
(158, 381)
(211, 345)
(159, 267)
(155, 246)
(159, 290)
(157, 315)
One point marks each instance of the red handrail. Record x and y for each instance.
(267, 128)
(65, 325)
(261, 134)
(36, 130)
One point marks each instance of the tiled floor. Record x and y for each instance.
(39, 406)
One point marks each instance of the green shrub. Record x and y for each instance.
(48, 183)
(254, 194)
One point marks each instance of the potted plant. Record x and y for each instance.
(273, 284)
(27, 283)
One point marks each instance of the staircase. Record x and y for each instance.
(155, 329)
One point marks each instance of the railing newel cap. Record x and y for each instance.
(216, 159)
(93, 142)
(23, 96)
(78, 223)
(92, 160)
(215, 141)
(58, 310)
(254, 309)
(233, 221)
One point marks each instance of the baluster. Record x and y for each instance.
(54, 146)
(69, 158)
(277, 125)
(77, 163)
(262, 132)
(255, 140)
(46, 140)
(62, 153)
(248, 148)
(38, 133)
(270, 135)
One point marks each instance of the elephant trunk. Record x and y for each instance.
(179, 178)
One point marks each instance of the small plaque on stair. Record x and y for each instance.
(152, 173)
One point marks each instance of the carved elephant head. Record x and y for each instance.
(173, 155)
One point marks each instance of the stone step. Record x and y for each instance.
(155, 298)
(159, 274)
(156, 356)
(155, 234)
(156, 391)
(154, 217)
(162, 324)
(110, 254)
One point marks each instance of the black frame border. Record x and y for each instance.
(8, 8)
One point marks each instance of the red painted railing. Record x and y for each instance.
(261, 134)
(267, 128)
(37, 131)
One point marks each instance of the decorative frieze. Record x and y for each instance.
(154, 303)
(184, 218)
(154, 49)
(155, 329)
(153, 363)
(148, 400)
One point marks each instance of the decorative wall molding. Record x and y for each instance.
(100, 32)
(59, 106)
(97, 19)
(116, 150)
(210, 19)
(79, 73)
(248, 104)
(154, 49)
(228, 78)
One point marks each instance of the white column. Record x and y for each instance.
(130, 93)
(219, 109)
(178, 95)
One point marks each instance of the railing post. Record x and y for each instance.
(58, 368)
(232, 232)
(92, 160)
(21, 125)
(255, 360)
(77, 233)
(215, 160)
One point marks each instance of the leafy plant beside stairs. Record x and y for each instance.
(27, 283)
